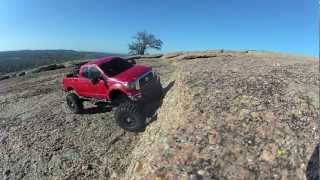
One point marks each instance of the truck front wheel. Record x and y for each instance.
(74, 103)
(129, 116)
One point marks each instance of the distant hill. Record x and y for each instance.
(11, 61)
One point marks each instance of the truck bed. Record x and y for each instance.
(73, 73)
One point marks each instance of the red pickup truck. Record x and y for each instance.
(117, 82)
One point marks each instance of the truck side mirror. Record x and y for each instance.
(95, 80)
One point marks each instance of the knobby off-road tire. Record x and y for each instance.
(74, 103)
(130, 117)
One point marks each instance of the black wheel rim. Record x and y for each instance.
(71, 103)
(129, 121)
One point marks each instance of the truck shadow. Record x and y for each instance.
(313, 167)
(166, 89)
(151, 109)
(96, 110)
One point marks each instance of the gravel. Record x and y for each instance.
(225, 115)
(41, 139)
(248, 116)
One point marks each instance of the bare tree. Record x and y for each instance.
(143, 41)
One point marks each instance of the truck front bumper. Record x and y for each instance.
(150, 92)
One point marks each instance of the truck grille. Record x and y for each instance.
(146, 79)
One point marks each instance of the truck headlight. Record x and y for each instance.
(131, 85)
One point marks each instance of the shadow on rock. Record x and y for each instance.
(96, 110)
(313, 171)
(166, 89)
(151, 108)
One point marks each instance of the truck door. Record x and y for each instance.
(84, 82)
(96, 89)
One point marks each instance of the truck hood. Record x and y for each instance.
(132, 74)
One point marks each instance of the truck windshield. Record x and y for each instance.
(115, 66)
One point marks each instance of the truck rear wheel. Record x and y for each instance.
(129, 116)
(74, 103)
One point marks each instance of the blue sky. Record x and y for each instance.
(105, 25)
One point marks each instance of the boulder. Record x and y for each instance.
(48, 68)
(80, 63)
(132, 57)
(197, 55)
(171, 55)
(4, 77)
(22, 73)
(152, 56)
(143, 56)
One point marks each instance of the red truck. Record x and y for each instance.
(116, 82)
